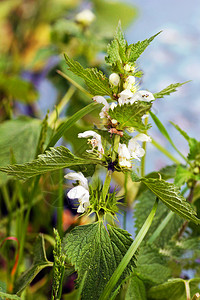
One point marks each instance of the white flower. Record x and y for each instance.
(129, 83)
(104, 112)
(114, 79)
(143, 95)
(135, 150)
(124, 156)
(85, 17)
(125, 96)
(80, 192)
(95, 141)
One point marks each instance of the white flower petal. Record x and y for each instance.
(101, 100)
(113, 105)
(86, 17)
(80, 209)
(143, 95)
(78, 192)
(88, 133)
(142, 137)
(78, 176)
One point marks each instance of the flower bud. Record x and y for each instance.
(129, 83)
(114, 79)
(85, 17)
(129, 68)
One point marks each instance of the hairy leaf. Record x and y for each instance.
(168, 90)
(8, 296)
(39, 262)
(137, 49)
(90, 247)
(117, 48)
(54, 159)
(136, 289)
(130, 115)
(169, 194)
(96, 81)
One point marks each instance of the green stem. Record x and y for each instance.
(166, 152)
(115, 147)
(187, 289)
(60, 203)
(160, 228)
(144, 146)
(125, 199)
(59, 108)
(78, 86)
(129, 254)
(106, 185)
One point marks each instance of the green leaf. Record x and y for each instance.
(136, 289)
(96, 81)
(19, 139)
(130, 115)
(54, 159)
(8, 296)
(194, 145)
(64, 127)
(137, 49)
(117, 48)
(154, 273)
(182, 175)
(18, 89)
(170, 195)
(169, 89)
(39, 262)
(90, 247)
(173, 289)
(141, 211)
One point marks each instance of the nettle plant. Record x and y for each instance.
(109, 263)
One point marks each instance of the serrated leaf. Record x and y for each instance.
(141, 211)
(39, 262)
(90, 247)
(170, 195)
(130, 115)
(182, 175)
(168, 90)
(96, 81)
(194, 145)
(154, 273)
(53, 159)
(136, 289)
(137, 49)
(117, 48)
(8, 296)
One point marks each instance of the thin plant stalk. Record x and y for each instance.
(59, 108)
(165, 152)
(125, 199)
(129, 254)
(60, 204)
